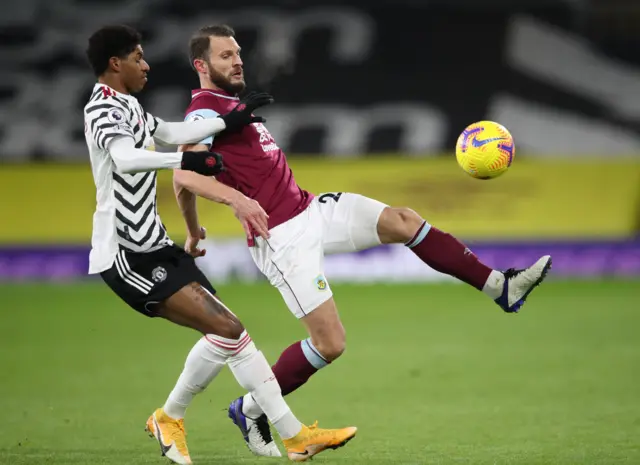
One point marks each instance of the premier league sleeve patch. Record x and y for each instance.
(115, 115)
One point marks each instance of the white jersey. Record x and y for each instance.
(126, 214)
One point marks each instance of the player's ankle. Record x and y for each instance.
(174, 410)
(250, 407)
(288, 426)
(494, 285)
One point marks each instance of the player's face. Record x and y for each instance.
(134, 70)
(225, 64)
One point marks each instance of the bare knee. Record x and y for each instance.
(331, 346)
(326, 330)
(398, 225)
(218, 320)
(228, 327)
(195, 307)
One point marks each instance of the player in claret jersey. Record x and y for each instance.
(304, 227)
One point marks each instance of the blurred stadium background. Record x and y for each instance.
(370, 98)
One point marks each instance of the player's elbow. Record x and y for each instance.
(123, 160)
(123, 167)
(180, 178)
(186, 182)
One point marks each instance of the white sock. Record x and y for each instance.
(250, 407)
(494, 285)
(201, 367)
(204, 362)
(251, 369)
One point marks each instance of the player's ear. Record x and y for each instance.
(115, 64)
(200, 66)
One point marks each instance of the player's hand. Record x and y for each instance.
(241, 115)
(205, 163)
(252, 217)
(191, 245)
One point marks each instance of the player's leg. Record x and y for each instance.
(224, 341)
(444, 253)
(302, 359)
(190, 307)
(168, 284)
(440, 250)
(293, 261)
(146, 281)
(299, 362)
(302, 443)
(354, 222)
(182, 295)
(248, 411)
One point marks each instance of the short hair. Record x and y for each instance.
(111, 41)
(199, 42)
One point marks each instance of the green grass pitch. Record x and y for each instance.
(433, 374)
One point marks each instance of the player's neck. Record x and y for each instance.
(114, 83)
(212, 87)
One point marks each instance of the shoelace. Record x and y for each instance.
(178, 434)
(511, 272)
(315, 431)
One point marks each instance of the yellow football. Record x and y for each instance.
(485, 150)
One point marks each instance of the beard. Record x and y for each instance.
(223, 82)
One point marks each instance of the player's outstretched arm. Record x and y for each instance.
(187, 132)
(129, 159)
(191, 132)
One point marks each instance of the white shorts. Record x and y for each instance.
(293, 257)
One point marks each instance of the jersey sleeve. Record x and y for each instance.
(107, 119)
(202, 113)
(152, 123)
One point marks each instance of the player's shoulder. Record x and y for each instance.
(206, 103)
(104, 99)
